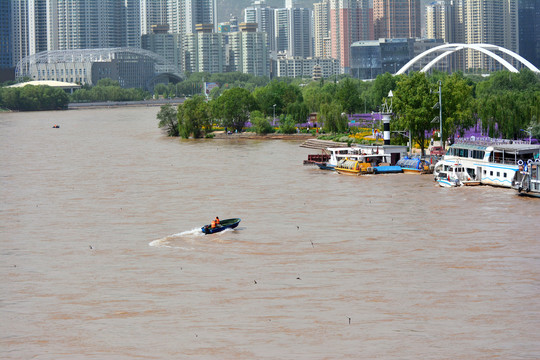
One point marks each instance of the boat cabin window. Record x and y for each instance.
(478, 154)
(463, 153)
(491, 173)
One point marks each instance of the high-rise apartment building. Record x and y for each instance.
(204, 50)
(440, 21)
(263, 16)
(321, 29)
(396, 18)
(86, 24)
(300, 39)
(195, 12)
(529, 30)
(6, 52)
(350, 21)
(133, 23)
(37, 26)
(281, 27)
(293, 31)
(19, 30)
(164, 44)
(489, 22)
(153, 12)
(249, 51)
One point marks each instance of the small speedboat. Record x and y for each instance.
(223, 225)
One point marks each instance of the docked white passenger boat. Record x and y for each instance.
(488, 163)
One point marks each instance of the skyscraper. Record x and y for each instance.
(133, 23)
(396, 18)
(439, 22)
(248, 51)
(204, 50)
(321, 29)
(350, 21)
(529, 30)
(281, 27)
(293, 31)
(19, 30)
(6, 54)
(300, 43)
(198, 12)
(153, 12)
(489, 22)
(262, 15)
(86, 24)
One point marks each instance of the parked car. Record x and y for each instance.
(437, 150)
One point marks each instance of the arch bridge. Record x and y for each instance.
(487, 49)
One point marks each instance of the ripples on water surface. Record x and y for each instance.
(102, 258)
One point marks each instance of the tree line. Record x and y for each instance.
(33, 98)
(505, 104)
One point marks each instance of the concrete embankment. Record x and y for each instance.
(113, 104)
(254, 136)
(321, 144)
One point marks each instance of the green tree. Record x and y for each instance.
(160, 89)
(506, 113)
(260, 124)
(413, 104)
(381, 87)
(314, 97)
(287, 124)
(34, 98)
(277, 92)
(348, 96)
(107, 82)
(335, 121)
(298, 111)
(194, 117)
(457, 105)
(233, 107)
(168, 120)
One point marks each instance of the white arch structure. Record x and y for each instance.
(487, 49)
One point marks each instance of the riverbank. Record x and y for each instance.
(115, 104)
(254, 136)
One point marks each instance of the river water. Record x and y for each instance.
(101, 255)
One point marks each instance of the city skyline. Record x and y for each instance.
(328, 29)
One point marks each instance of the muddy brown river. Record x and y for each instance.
(101, 254)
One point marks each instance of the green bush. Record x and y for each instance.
(260, 124)
(287, 125)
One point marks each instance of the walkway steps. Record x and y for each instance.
(321, 144)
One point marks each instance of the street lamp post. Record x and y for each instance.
(274, 121)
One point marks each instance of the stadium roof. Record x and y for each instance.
(52, 83)
(91, 56)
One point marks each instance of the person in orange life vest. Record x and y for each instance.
(217, 221)
(213, 224)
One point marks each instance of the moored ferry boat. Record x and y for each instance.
(455, 176)
(492, 163)
(352, 167)
(384, 154)
(413, 165)
(527, 179)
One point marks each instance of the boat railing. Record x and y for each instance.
(487, 141)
